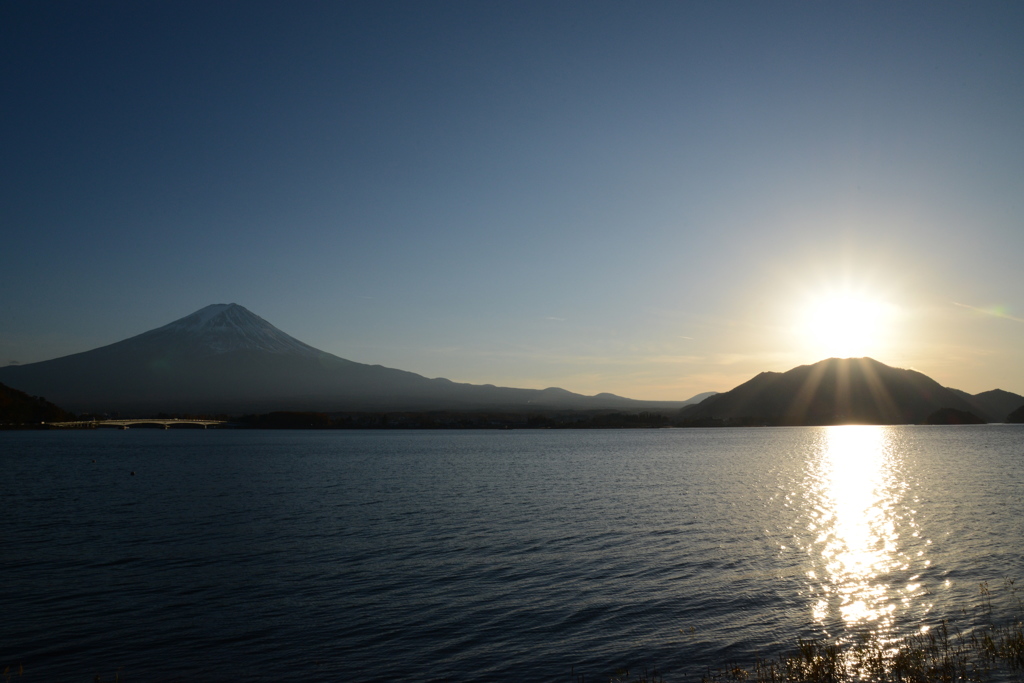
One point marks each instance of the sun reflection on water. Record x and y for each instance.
(860, 565)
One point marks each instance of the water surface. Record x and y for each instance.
(488, 555)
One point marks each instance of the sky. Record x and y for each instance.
(653, 199)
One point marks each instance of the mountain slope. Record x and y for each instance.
(994, 405)
(833, 391)
(224, 358)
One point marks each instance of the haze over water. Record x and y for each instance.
(503, 556)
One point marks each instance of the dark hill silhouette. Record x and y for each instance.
(994, 405)
(833, 391)
(225, 359)
(17, 407)
(1016, 417)
(952, 416)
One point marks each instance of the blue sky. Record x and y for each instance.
(639, 197)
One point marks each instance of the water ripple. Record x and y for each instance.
(484, 555)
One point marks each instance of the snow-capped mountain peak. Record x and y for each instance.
(221, 328)
(204, 314)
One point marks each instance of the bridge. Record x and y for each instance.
(166, 423)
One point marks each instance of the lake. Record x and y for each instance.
(489, 555)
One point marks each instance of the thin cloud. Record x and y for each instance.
(995, 312)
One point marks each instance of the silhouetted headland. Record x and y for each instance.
(18, 408)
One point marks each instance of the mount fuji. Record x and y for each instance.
(225, 359)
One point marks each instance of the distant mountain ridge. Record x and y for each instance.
(841, 391)
(994, 406)
(225, 359)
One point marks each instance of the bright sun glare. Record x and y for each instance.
(845, 325)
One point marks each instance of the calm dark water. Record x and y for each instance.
(498, 556)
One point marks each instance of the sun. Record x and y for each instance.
(845, 324)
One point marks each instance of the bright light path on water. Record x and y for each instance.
(855, 489)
